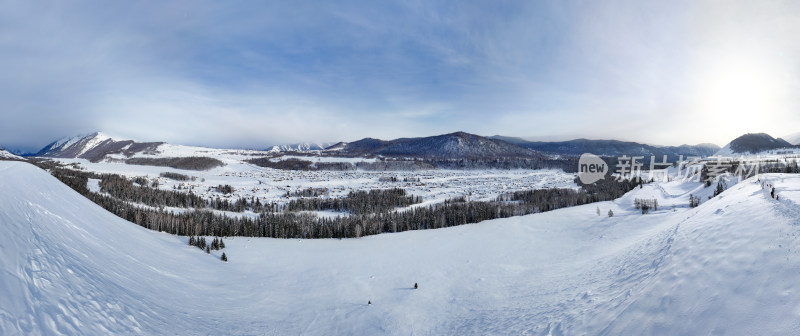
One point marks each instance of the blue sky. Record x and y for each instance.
(255, 73)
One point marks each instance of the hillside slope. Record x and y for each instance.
(5, 155)
(728, 266)
(458, 145)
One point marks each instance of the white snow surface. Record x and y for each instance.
(778, 153)
(729, 266)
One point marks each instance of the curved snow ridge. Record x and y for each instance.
(728, 266)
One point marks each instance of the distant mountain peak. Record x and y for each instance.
(93, 146)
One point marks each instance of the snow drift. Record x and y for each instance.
(727, 267)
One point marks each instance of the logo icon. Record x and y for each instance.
(591, 168)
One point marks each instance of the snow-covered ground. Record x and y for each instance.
(793, 138)
(271, 185)
(727, 267)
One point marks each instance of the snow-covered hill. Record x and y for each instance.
(8, 156)
(98, 146)
(727, 267)
(753, 143)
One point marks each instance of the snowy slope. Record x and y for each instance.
(726, 267)
(793, 139)
(74, 146)
(6, 155)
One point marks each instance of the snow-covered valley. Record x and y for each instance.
(726, 267)
(272, 185)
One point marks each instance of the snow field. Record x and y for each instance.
(728, 266)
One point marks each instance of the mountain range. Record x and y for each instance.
(611, 148)
(458, 145)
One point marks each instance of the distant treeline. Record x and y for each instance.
(178, 177)
(298, 164)
(567, 164)
(371, 212)
(358, 202)
(187, 163)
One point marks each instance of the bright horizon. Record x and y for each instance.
(252, 75)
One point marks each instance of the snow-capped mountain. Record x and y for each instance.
(75, 144)
(94, 147)
(753, 143)
(301, 147)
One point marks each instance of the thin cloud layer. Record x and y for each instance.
(252, 74)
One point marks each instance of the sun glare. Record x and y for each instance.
(741, 95)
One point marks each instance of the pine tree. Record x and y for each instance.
(221, 244)
(208, 250)
(693, 201)
(224, 257)
(720, 188)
